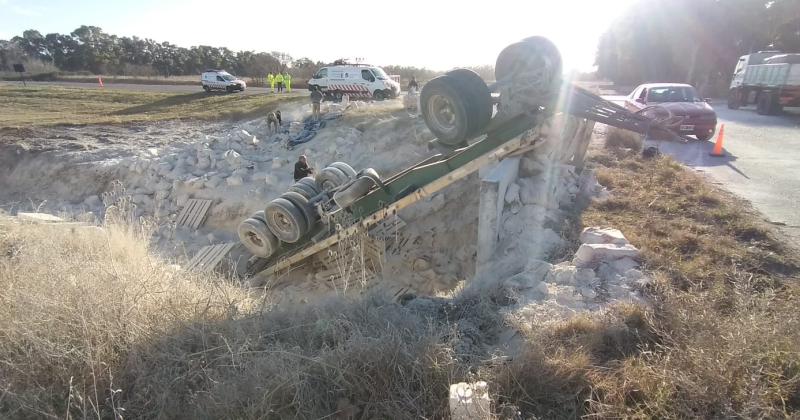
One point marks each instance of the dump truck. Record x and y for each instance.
(769, 79)
(474, 123)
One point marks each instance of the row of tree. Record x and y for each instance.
(89, 49)
(694, 41)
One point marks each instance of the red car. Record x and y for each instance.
(695, 114)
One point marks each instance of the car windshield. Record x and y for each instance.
(672, 94)
(379, 73)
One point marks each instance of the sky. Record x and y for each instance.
(426, 33)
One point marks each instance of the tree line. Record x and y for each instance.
(89, 49)
(694, 41)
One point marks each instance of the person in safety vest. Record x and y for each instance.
(271, 80)
(287, 79)
(279, 82)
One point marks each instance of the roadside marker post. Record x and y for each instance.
(100, 81)
(718, 145)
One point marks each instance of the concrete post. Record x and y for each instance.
(470, 401)
(494, 184)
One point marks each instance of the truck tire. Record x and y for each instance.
(285, 220)
(734, 99)
(207, 89)
(229, 89)
(379, 95)
(479, 98)
(356, 190)
(259, 215)
(330, 178)
(257, 238)
(767, 103)
(347, 169)
(775, 107)
(302, 203)
(309, 180)
(533, 67)
(446, 110)
(304, 190)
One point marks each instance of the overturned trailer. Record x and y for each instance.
(475, 124)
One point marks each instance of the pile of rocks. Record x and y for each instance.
(603, 271)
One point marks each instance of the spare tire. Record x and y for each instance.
(257, 238)
(285, 220)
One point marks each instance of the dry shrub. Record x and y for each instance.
(368, 358)
(74, 301)
(617, 138)
(555, 373)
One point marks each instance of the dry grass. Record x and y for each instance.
(75, 302)
(92, 325)
(620, 138)
(31, 106)
(724, 337)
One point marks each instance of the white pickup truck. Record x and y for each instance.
(770, 79)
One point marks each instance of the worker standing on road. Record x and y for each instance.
(279, 82)
(271, 80)
(316, 98)
(413, 84)
(301, 168)
(288, 80)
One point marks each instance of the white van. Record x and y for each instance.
(356, 80)
(221, 80)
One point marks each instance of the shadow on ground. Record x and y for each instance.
(162, 104)
(696, 154)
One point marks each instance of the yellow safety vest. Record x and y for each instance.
(279, 78)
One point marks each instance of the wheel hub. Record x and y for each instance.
(443, 114)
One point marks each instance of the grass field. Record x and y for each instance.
(50, 105)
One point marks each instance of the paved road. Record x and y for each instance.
(144, 88)
(761, 162)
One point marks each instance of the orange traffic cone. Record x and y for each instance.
(100, 81)
(718, 145)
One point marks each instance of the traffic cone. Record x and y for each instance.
(100, 81)
(718, 145)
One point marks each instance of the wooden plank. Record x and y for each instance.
(209, 257)
(194, 212)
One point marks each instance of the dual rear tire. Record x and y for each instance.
(767, 104)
